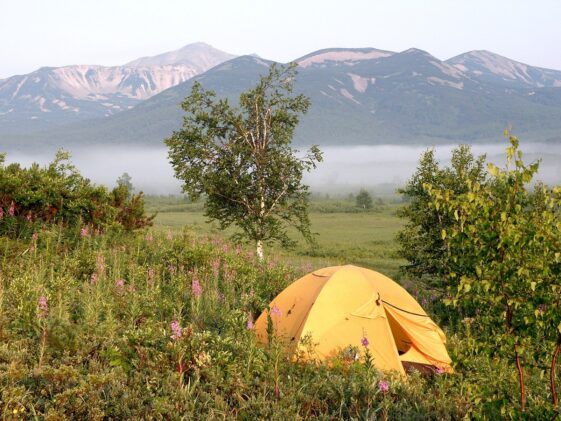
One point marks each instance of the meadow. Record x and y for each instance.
(157, 324)
(345, 234)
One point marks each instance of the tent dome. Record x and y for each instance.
(337, 306)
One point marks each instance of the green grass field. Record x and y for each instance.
(361, 238)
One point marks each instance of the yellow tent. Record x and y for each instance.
(336, 307)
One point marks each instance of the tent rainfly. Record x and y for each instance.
(336, 307)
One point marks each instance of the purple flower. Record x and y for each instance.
(439, 371)
(216, 267)
(43, 307)
(364, 341)
(196, 288)
(151, 274)
(84, 232)
(171, 269)
(100, 263)
(250, 324)
(120, 284)
(12, 209)
(176, 331)
(275, 311)
(383, 386)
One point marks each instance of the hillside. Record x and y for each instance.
(56, 96)
(362, 97)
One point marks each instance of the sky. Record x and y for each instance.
(37, 33)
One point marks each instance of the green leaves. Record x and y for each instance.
(241, 158)
(502, 239)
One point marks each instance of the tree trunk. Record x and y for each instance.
(520, 381)
(260, 253)
(552, 372)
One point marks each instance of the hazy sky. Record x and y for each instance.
(36, 33)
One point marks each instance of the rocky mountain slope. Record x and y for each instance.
(51, 97)
(362, 96)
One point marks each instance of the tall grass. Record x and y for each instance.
(158, 325)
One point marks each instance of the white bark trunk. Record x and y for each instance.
(260, 253)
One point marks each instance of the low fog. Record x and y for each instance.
(344, 169)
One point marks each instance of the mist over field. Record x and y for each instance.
(344, 169)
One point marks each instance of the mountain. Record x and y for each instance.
(199, 56)
(359, 96)
(51, 97)
(487, 66)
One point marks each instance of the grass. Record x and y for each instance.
(360, 238)
(87, 331)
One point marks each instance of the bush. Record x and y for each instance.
(57, 194)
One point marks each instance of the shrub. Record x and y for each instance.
(57, 194)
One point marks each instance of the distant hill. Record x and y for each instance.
(56, 96)
(359, 96)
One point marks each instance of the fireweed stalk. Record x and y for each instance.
(42, 314)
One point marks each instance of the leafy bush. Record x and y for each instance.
(57, 194)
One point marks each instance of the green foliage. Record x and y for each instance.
(57, 194)
(104, 347)
(364, 199)
(242, 161)
(421, 242)
(500, 257)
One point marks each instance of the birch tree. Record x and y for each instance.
(241, 159)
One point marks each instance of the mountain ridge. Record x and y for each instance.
(61, 95)
(359, 96)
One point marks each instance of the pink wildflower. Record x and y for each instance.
(151, 275)
(28, 217)
(176, 331)
(84, 232)
(275, 311)
(43, 307)
(171, 269)
(93, 278)
(12, 209)
(250, 324)
(149, 237)
(34, 239)
(383, 386)
(120, 284)
(196, 288)
(216, 267)
(100, 263)
(1, 213)
(364, 341)
(439, 371)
